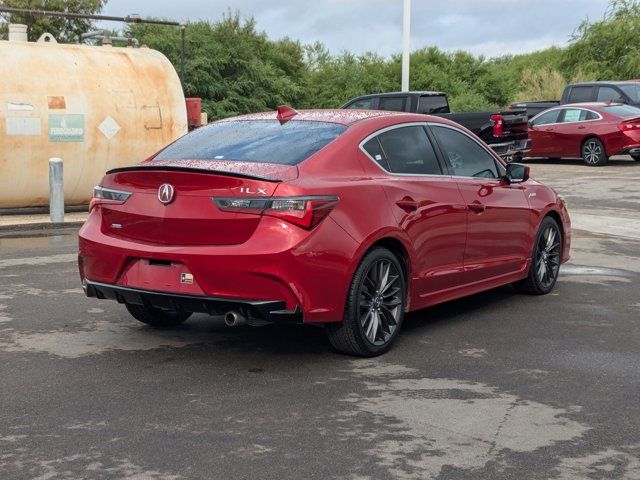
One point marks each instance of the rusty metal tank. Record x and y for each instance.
(97, 108)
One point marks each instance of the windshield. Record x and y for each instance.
(624, 111)
(259, 141)
(632, 90)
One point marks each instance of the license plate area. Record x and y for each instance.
(160, 275)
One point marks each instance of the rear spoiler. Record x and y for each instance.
(192, 169)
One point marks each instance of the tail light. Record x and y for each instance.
(625, 127)
(498, 126)
(305, 212)
(108, 195)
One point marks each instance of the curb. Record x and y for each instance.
(43, 227)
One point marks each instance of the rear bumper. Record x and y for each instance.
(307, 271)
(629, 150)
(271, 311)
(511, 148)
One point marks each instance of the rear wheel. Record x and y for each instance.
(157, 317)
(375, 307)
(545, 260)
(593, 153)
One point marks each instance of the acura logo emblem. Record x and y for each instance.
(165, 193)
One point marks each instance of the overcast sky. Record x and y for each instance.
(487, 27)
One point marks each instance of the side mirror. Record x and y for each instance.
(517, 173)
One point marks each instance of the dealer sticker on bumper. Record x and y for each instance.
(186, 279)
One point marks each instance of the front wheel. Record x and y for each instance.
(593, 153)
(157, 317)
(545, 260)
(375, 307)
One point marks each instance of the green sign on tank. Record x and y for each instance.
(66, 128)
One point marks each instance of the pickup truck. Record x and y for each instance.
(506, 132)
(617, 92)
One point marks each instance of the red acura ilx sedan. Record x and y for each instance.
(591, 131)
(343, 218)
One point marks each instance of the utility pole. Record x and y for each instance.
(406, 52)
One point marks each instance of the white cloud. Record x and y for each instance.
(490, 27)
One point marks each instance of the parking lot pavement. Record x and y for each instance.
(496, 386)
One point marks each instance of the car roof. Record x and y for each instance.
(590, 104)
(604, 82)
(336, 115)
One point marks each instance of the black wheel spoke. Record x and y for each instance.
(391, 293)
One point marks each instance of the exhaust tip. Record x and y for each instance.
(234, 319)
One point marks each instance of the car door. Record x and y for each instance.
(427, 205)
(610, 94)
(570, 130)
(541, 133)
(499, 223)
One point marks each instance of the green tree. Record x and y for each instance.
(63, 29)
(231, 66)
(608, 49)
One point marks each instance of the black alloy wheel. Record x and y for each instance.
(375, 307)
(545, 260)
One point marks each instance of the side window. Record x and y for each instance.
(546, 118)
(373, 148)
(395, 104)
(574, 115)
(591, 115)
(364, 104)
(433, 104)
(609, 94)
(580, 94)
(465, 156)
(408, 150)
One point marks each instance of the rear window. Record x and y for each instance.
(395, 104)
(433, 104)
(625, 111)
(580, 94)
(258, 141)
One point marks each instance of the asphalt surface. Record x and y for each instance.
(495, 386)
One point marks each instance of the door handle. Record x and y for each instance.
(582, 127)
(408, 204)
(477, 207)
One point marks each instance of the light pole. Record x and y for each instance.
(406, 53)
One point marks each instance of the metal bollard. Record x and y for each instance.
(56, 191)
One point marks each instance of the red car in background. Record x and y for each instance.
(346, 218)
(591, 131)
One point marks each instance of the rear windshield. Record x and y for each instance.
(625, 111)
(259, 141)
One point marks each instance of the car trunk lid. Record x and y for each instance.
(189, 217)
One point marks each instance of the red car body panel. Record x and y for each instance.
(453, 247)
(566, 139)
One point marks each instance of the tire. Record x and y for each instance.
(545, 260)
(371, 320)
(156, 317)
(593, 153)
(636, 157)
